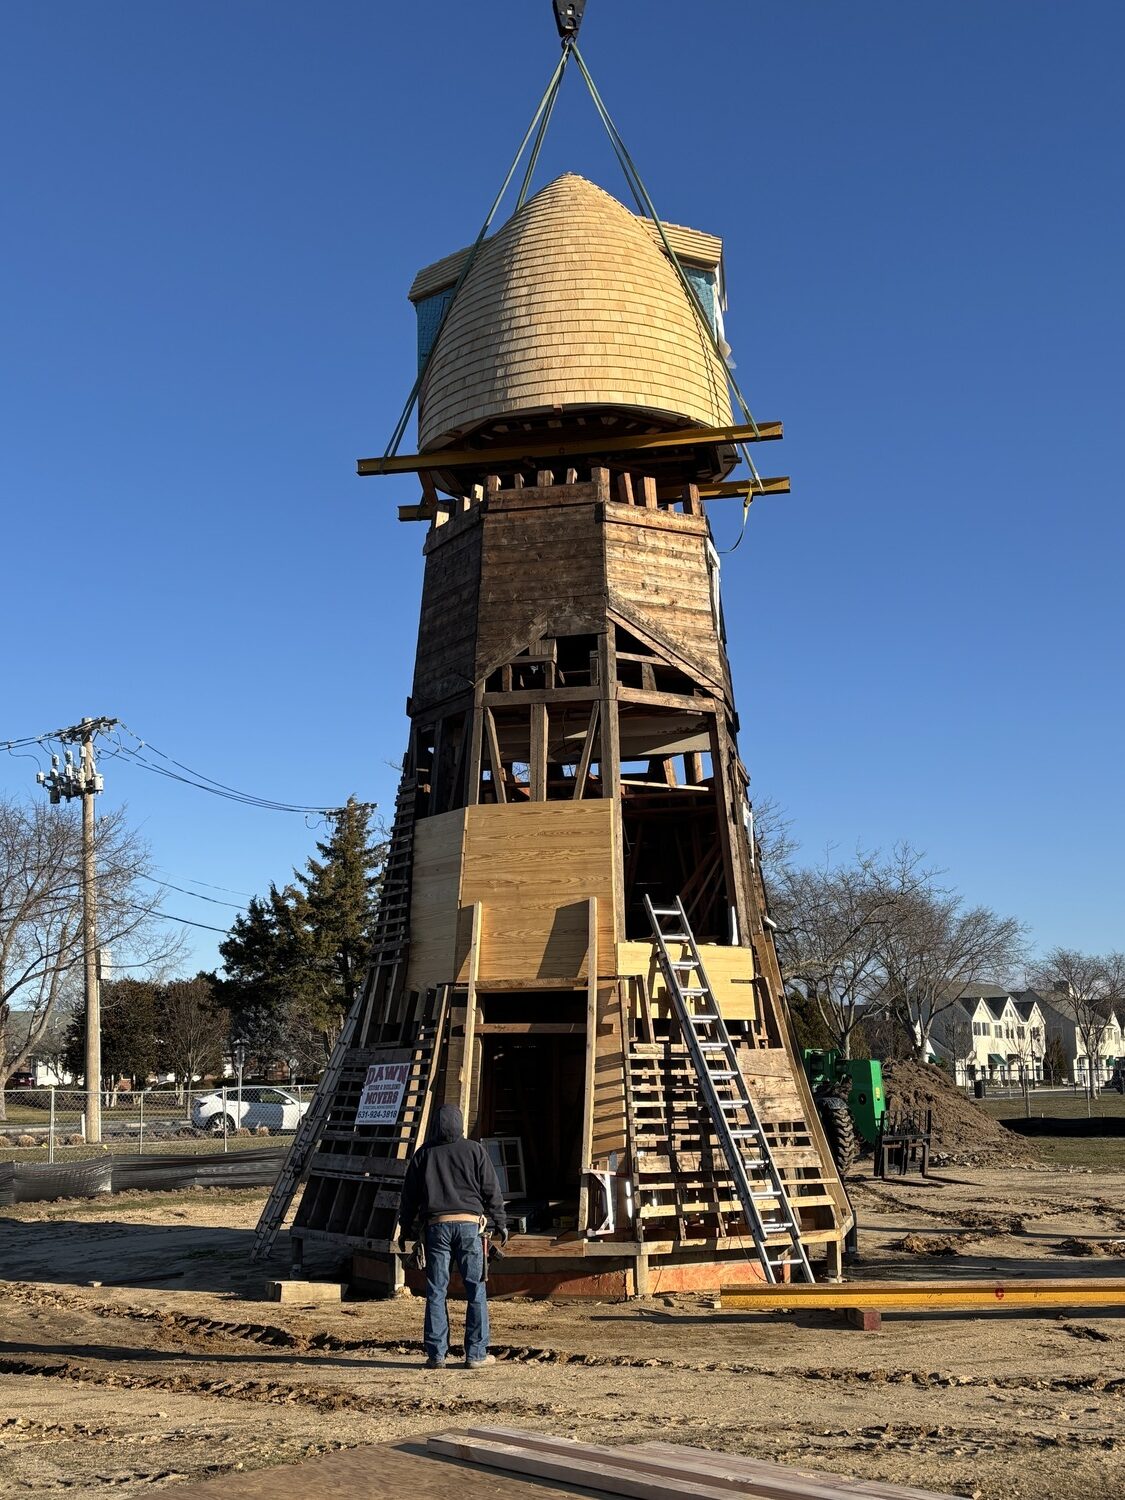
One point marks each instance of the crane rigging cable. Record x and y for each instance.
(568, 19)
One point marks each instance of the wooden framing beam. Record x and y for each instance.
(538, 767)
(468, 1060)
(531, 454)
(583, 769)
(494, 755)
(731, 489)
(591, 1062)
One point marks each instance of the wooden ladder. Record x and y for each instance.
(385, 970)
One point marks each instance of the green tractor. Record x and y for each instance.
(849, 1097)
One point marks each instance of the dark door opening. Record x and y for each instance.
(531, 1089)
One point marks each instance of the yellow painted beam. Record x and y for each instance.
(927, 1296)
(606, 442)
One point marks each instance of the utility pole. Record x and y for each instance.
(65, 782)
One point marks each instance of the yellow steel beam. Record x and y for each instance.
(926, 1296)
(607, 442)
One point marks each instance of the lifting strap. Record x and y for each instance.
(540, 122)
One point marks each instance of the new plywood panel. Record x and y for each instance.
(533, 867)
(609, 1081)
(730, 971)
(434, 899)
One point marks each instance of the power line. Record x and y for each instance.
(190, 777)
(230, 891)
(167, 916)
(205, 783)
(199, 896)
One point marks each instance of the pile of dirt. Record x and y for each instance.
(931, 1244)
(962, 1133)
(1112, 1248)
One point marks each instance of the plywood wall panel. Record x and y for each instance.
(730, 971)
(435, 900)
(533, 868)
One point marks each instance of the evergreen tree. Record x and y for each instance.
(128, 1030)
(295, 961)
(334, 905)
(256, 989)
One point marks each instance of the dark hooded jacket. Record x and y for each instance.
(450, 1175)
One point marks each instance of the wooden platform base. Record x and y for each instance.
(539, 1266)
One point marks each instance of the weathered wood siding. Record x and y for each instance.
(447, 626)
(541, 568)
(658, 574)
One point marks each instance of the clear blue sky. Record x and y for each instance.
(213, 213)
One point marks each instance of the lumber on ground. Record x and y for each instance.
(931, 1296)
(647, 1474)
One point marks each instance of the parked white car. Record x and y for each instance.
(277, 1109)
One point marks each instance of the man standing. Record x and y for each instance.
(452, 1191)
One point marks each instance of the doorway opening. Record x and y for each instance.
(532, 1084)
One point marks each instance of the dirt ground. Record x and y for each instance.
(173, 1369)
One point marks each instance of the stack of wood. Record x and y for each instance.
(651, 1471)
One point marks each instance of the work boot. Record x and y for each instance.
(435, 1364)
(479, 1364)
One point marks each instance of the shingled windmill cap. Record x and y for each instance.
(573, 304)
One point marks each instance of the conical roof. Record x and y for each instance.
(571, 305)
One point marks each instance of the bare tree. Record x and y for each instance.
(937, 949)
(1086, 988)
(832, 925)
(193, 1028)
(41, 946)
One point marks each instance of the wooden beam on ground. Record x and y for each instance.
(949, 1295)
(644, 1474)
(475, 458)
(735, 1468)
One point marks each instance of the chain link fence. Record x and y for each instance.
(54, 1124)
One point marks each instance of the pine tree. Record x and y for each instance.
(256, 989)
(295, 960)
(331, 909)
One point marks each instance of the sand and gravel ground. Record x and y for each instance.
(174, 1369)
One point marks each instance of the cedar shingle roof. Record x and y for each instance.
(571, 304)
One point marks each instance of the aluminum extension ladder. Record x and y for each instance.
(757, 1182)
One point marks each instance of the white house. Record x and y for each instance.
(988, 1032)
(1062, 1021)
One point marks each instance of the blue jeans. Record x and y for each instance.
(462, 1244)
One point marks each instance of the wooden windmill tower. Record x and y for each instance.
(572, 752)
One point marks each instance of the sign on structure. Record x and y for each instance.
(381, 1097)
